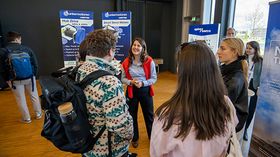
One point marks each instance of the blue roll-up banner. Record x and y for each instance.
(266, 133)
(75, 25)
(210, 33)
(121, 22)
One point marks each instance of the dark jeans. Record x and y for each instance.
(141, 95)
(252, 105)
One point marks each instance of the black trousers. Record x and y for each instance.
(141, 95)
(252, 105)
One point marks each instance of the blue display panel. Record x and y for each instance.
(75, 25)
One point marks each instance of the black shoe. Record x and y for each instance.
(135, 144)
(132, 155)
(245, 137)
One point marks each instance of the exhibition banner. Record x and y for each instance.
(210, 33)
(75, 25)
(120, 22)
(266, 133)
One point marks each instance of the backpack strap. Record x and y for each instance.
(109, 144)
(86, 81)
(74, 70)
(32, 83)
(99, 134)
(73, 73)
(93, 76)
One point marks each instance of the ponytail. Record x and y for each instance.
(245, 69)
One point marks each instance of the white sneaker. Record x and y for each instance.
(26, 121)
(38, 115)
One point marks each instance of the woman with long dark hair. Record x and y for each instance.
(139, 74)
(195, 121)
(255, 68)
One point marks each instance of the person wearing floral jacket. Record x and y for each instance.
(106, 102)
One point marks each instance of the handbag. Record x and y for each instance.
(234, 148)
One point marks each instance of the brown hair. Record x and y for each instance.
(199, 98)
(256, 46)
(12, 36)
(143, 54)
(83, 50)
(237, 45)
(99, 42)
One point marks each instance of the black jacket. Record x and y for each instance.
(237, 90)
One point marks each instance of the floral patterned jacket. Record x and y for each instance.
(106, 104)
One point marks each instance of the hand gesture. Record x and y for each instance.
(133, 82)
(139, 84)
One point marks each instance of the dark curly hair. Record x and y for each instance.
(99, 42)
(144, 53)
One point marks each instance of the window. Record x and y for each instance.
(250, 20)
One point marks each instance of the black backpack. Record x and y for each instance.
(76, 136)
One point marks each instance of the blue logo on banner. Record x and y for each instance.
(120, 22)
(66, 13)
(75, 25)
(204, 29)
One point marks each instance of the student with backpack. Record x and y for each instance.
(21, 68)
(105, 99)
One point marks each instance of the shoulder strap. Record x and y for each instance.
(93, 76)
(73, 72)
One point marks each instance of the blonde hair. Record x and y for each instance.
(237, 45)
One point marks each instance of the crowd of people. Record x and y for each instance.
(196, 120)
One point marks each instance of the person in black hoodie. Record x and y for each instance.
(234, 69)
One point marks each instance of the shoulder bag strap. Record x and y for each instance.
(93, 76)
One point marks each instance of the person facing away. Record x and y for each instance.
(255, 68)
(234, 70)
(19, 86)
(196, 120)
(106, 102)
(230, 32)
(139, 74)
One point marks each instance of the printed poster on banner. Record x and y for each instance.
(266, 133)
(208, 32)
(75, 25)
(121, 23)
